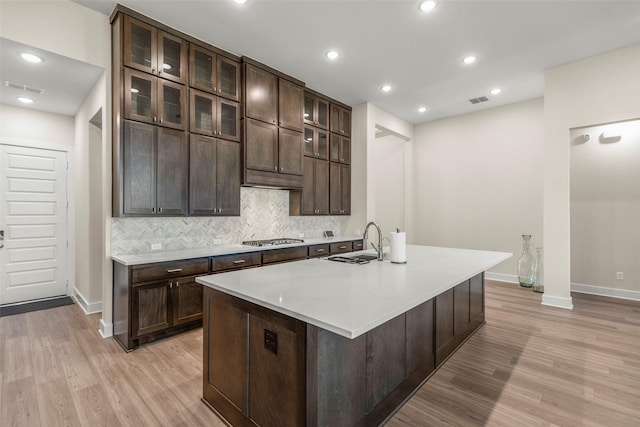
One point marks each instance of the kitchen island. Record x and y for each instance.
(320, 343)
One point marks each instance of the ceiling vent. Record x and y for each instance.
(23, 87)
(478, 100)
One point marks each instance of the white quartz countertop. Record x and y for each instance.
(350, 299)
(162, 256)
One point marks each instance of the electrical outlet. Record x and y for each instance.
(156, 246)
(300, 235)
(619, 275)
(217, 241)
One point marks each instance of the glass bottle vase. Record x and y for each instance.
(526, 263)
(538, 284)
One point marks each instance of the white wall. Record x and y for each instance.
(32, 126)
(388, 185)
(478, 180)
(601, 89)
(605, 206)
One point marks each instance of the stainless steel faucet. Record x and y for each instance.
(366, 233)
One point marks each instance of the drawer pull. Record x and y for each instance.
(342, 247)
(319, 250)
(239, 261)
(174, 270)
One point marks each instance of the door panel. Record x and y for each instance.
(33, 215)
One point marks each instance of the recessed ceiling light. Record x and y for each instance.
(496, 91)
(240, 1)
(468, 60)
(332, 54)
(25, 100)
(30, 57)
(386, 88)
(427, 5)
(422, 109)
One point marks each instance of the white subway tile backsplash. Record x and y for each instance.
(264, 214)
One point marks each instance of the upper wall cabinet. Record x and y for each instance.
(340, 120)
(290, 105)
(261, 94)
(316, 111)
(214, 116)
(154, 51)
(214, 73)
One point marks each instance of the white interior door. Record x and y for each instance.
(33, 216)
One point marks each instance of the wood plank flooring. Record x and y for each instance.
(529, 365)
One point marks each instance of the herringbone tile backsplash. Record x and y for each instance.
(264, 214)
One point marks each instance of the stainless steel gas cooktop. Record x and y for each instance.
(272, 242)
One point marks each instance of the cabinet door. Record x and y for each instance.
(334, 188)
(140, 45)
(202, 69)
(172, 172)
(322, 113)
(228, 177)
(309, 114)
(476, 300)
(140, 96)
(186, 298)
(309, 142)
(461, 308)
(172, 57)
(203, 114)
(228, 78)
(172, 99)
(228, 120)
(307, 203)
(321, 187)
(202, 175)
(290, 105)
(345, 190)
(261, 94)
(322, 144)
(290, 152)
(345, 122)
(261, 146)
(150, 308)
(334, 147)
(336, 116)
(139, 168)
(345, 149)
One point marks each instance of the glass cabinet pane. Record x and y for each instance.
(323, 144)
(308, 142)
(346, 150)
(323, 114)
(335, 119)
(203, 114)
(141, 45)
(346, 122)
(309, 102)
(228, 78)
(140, 96)
(334, 150)
(229, 125)
(171, 105)
(203, 69)
(171, 49)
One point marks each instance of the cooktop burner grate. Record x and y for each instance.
(272, 242)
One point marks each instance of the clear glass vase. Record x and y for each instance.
(538, 284)
(526, 263)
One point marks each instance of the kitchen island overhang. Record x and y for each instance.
(317, 342)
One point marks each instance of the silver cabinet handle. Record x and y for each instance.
(239, 261)
(342, 247)
(174, 270)
(319, 250)
(177, 283)
(170, 285)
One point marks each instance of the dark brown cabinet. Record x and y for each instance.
(154, 51)
(339, 189)
(316, 142)
(187, 301)
(214, 73)
(152, 100)
(316, 111)
(260, 94)
(340, 247)
(214, 176)
(340, 120)
(150, 308)
(154, 170)
(214, 116)
(313, 199)
(290, 105)
(340, 149)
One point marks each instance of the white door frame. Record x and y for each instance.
(71, 191)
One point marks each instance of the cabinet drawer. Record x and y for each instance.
(235, 262)
(286, 254)
(341, 247)
(167, 270)
(318, 250)
(358, 245)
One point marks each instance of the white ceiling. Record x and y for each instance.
(393, 42)
(66, 82)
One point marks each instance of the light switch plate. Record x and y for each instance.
(156, 246)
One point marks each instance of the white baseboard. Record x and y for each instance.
(509, 278)
(560, 302)
(88, 308)
(106, 329)
(605, 292)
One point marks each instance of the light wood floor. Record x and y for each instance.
(529, 365)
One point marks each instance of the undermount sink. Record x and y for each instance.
(354, 259)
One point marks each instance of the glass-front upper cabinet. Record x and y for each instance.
(214, 116)
(155, 52)
(140, 96)
(316, 143)
(316, 111)
(172, 100)
(214, 73)
(228, 120)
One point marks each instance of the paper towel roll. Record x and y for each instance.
(398, 247)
